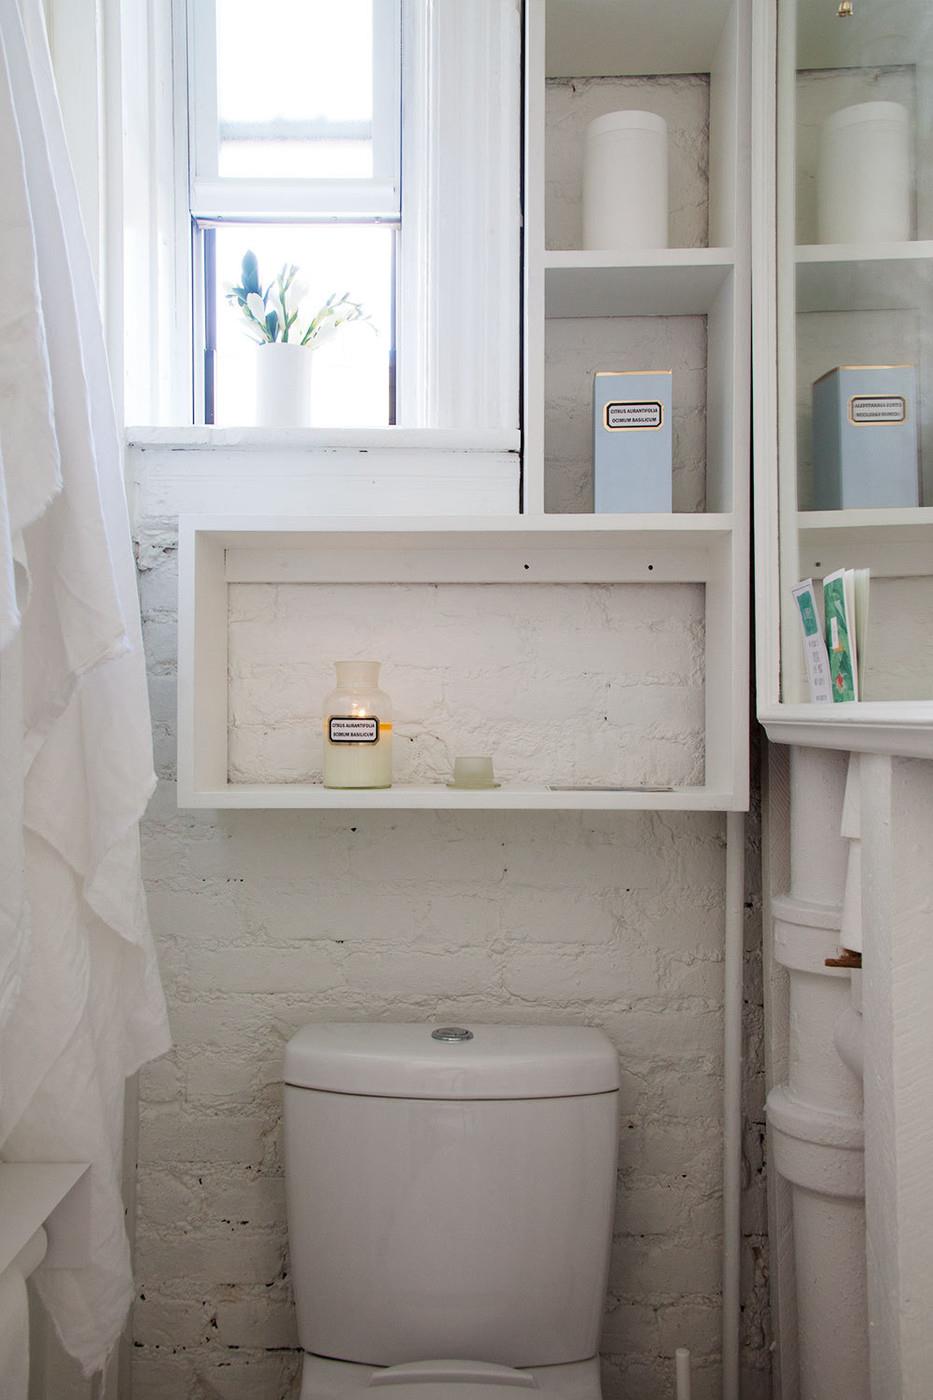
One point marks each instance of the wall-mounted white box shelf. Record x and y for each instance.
(216, 553)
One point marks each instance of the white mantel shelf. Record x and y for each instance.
(902, 728)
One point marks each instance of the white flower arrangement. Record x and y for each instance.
(273, 315)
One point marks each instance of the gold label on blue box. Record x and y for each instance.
(634, 413)
(882, 408)
(632, 440)
(864, 444)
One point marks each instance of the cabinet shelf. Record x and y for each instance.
(893, 543)
(646, 282)
(816, 306)
(864, 276)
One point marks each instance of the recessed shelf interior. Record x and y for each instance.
(607, 55)
(698, 347)
(562, 682)
(828, 339)
(897, 546)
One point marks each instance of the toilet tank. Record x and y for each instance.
(450, 1198)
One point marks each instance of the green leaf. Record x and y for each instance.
(250, 272)
(272, 325)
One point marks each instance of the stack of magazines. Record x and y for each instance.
(834, 620)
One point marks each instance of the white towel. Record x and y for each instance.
(81, 1006)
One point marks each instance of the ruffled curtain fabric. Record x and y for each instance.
(81, 1003)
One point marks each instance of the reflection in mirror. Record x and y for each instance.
(855, 374)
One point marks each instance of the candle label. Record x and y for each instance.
(877, 408)
(352, 729)
(634, 413)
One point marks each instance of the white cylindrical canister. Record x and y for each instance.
(863, 176)
(625, 181)
(283, 385)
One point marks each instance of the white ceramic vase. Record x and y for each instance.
(283, 385)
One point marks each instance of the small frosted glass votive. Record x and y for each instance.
(473, 773)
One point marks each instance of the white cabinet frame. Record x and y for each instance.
(897, 542)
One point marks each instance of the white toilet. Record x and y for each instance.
(450, 1205)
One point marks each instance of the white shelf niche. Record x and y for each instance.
(588, 38)
(215, 552)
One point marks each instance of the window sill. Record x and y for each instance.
(325, 439)
(318, 471)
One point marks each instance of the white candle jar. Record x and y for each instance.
(357, 729)
(863, 175)
(625, 203)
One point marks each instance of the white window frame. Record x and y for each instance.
(459, 277)
(214, 197)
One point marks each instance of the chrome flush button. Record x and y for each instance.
(451, 1033)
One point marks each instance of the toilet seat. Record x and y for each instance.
(448, 1380)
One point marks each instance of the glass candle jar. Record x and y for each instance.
(357, 729)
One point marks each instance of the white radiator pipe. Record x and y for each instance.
(732, 1104)
(815, 1118)
(682, 1365)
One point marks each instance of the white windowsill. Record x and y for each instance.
(326, 439)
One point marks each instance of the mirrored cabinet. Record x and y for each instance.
(842, 196)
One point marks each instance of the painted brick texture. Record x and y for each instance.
(568, 683)
(266, 920)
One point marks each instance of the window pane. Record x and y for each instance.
(350, 373)
(295, 89)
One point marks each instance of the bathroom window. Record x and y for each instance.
(284, 128)
(294, 117)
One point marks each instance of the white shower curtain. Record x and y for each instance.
(81, 1005)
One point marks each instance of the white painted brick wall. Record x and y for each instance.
(266, 920)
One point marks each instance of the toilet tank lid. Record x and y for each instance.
(405, 1061)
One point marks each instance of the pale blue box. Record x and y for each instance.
(632, 441)
(865, 438)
